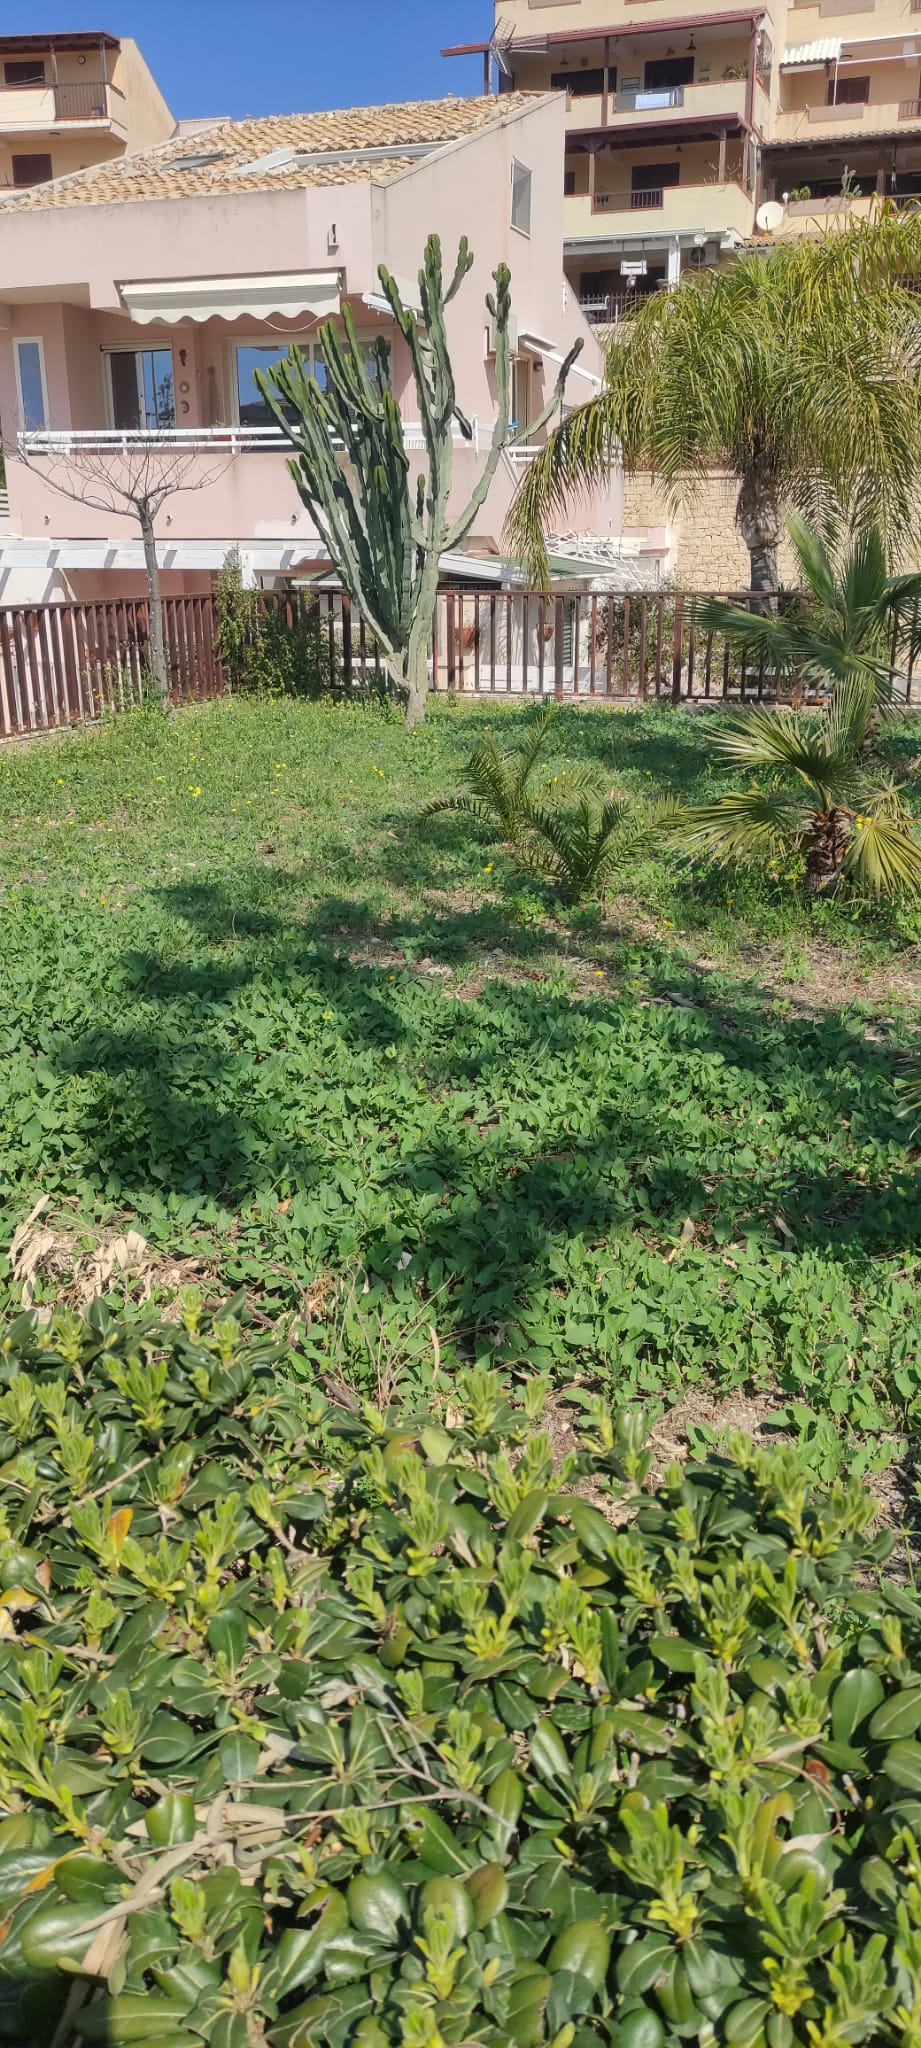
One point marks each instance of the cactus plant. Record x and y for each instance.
(384, 533)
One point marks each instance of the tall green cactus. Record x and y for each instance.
(384, 534)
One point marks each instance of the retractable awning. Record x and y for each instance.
(287, 295)
(826, 50)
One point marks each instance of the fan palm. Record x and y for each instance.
(845, 821)
(499, 784)
(798, 370)
(854, 617)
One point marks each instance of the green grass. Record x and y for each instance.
(221, 1019)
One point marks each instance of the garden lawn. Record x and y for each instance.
(370, 1072)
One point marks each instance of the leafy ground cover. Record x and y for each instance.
(372, 1730)
(370, 1071)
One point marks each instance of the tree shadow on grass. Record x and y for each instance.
(477, 1138)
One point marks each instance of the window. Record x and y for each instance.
(141, 388)
(31, 170)
(30, 384)
(666, 71)
(847, 92)
(521, 198)
(25, 71)
(249, 357)
(588, 84)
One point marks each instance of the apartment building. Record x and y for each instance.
(682, 120)
(137, 300)
(70, 101)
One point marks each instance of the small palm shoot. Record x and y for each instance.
(847, 823)
(579, 852)
(500, 783)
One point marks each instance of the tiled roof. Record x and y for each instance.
(232, 145)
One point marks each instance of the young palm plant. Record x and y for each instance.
(579, 851)
(853, 621)
(845, 820)
(500, 784)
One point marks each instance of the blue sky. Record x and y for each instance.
(239, 57)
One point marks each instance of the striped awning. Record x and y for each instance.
(826, 50)
(288, 295)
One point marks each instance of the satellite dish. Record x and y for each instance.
(769, 216)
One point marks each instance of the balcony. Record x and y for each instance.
(874, 117)
(658, 210)
(714, 98)
(224, 443)
(38, 109)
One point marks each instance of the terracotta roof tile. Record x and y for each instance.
(153, 173)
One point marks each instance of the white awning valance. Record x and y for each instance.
(825, 50)
(287, 295)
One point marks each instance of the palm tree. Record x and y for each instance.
(579, 851)
(798, 370)
(499, 784)
(845, 819)
(853, 621)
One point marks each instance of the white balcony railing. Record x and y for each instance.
(230, 441)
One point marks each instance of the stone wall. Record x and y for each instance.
(707, 551)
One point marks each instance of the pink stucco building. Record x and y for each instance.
(137, 297)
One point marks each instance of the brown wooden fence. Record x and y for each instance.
(69, 663)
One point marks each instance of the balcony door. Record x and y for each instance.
(649, 181)
(662, 72)
(140, 387)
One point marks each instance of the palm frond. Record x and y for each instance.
(529, 753)
(883, 856)
(471, 806)
(779, 739)
(744, 825)
(578, 851)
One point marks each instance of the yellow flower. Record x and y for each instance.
(488, 869)
(59, 780)
(103, 899)
(599, 971)
(194, 789)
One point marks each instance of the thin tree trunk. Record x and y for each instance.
(824, 853)
(758, 519)
(417, 678)
(158, 667)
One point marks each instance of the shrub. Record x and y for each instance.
(338, 1728)
(271, 643)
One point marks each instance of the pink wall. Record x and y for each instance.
(89, 249)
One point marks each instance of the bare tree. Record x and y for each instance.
(118, 474)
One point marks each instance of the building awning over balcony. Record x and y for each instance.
(826, 50)
(288, 295)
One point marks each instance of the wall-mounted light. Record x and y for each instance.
(81, 60)
(183, 356)
(332, 239)
(691, 46)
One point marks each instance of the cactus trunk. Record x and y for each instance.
(352, 472)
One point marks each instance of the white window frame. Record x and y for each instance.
(127, 348)
(30, 341)
(517, 165)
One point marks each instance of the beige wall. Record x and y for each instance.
(708, 551)
(147, 116)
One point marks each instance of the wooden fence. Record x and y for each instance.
(65, 664)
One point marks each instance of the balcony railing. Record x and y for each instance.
(910, 110)
(608, 307)
(85, 99)
(650, 100)
(218, 441)
(629, 202)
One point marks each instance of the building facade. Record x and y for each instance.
(70, 101)
(684, 121)
(138, 299)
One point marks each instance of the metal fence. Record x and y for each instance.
(65, 664)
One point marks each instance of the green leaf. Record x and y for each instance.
(899, 1716)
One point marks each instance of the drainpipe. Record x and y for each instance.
(673, 272)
